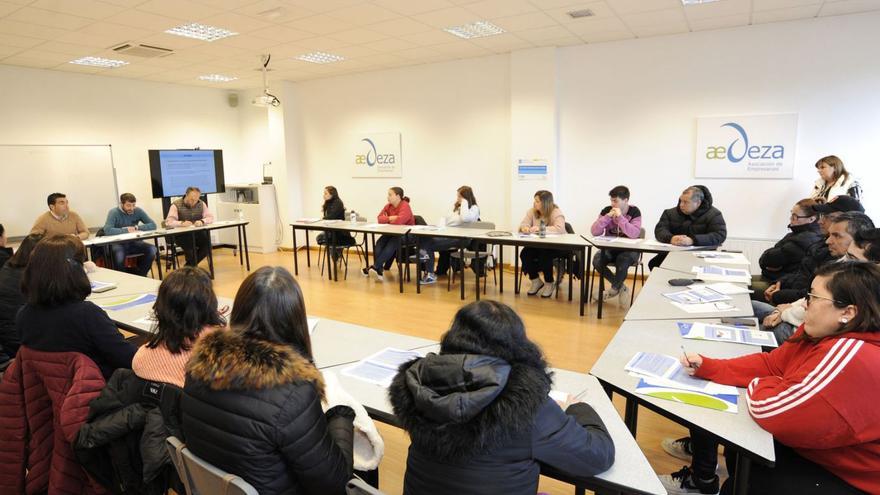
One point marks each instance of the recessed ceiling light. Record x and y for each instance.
(320, 58)
(201, 32)
(99, 62)
(217, 78)
(696, 2)
(577, 14)
(477, 29)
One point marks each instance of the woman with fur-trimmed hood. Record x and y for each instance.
(252, 396)
(479, 415)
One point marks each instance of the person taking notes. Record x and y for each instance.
(125, 219)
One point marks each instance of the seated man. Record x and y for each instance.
(618, 219)
(59, 220)
(785, 257)
(126, 218)
(794, 286)
(694, 222)
(191, 211)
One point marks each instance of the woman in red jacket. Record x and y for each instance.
(817, 393)
(396, 212)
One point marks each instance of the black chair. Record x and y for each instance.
(479, 254)
(342, 249)
(409, 251)
(640, 265)
(562, 265)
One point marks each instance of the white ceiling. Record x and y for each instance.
(371, 35)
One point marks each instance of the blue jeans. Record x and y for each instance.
(385, 251)
(121, 251)
(621, 260)
(782, 331)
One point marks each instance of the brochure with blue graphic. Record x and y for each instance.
(102, 286)
(725, 333)
(664, 377)
(125, 302)
(723, 257)
(719, 402)
(697, 295)
(721, 274)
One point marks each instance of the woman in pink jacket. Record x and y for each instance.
(540, 260)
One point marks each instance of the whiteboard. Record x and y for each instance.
(29, 173)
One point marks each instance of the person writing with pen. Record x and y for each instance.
(816, 394)
(191, 211)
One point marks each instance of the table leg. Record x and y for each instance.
(461, 253)
(210, 253)
(477, 269)
(741, 479)
(247, 253)
(295, 254)
(501, 268)
(418, 268)
(240, 252)
(571, 259)
(366, 251)
(631, 415)
(308, 249)
(328, 247)
(516, 269)
(601, 294)
(399, 264)
(372, 240)
(582, 277)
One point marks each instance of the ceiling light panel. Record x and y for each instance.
(201, 32)
(218, 78)
(479, 29)
(107, 63)
(320, 58)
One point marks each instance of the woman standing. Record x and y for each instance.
(834, 180)
(537, 260)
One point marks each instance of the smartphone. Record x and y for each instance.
(747, 322)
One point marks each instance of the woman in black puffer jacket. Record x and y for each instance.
(785, 257)
(479, 415)
(252, 396)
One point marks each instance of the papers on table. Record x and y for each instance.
(427, 228)
(663, 377)
(313, 324)
(723, 258)
(728, 288)
(618, 240)
(721, 274)
(308, 220)
(102, 286)
(725, 333)
(716, 307)
(125, 302)
(697, 295)
(146, 321)
(376, 225)
(381, 367)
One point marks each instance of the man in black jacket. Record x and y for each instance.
(694, 222)
(5, 252)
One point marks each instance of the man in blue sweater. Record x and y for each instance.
(125, 219)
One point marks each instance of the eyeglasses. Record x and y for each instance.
(795, 215)
(810, 295)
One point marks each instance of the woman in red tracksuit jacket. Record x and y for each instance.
(817, 393)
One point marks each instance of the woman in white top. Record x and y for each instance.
(834, 180)
(465, 210)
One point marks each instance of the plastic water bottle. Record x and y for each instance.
(542, 229)
(353, 216)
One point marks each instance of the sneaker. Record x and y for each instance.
(379, 277)
(535, 287)
(683, 482)
(429, 278)
(679, 448)
(423, 255)
(624, 297)
(549, 290)
(610, 294)
(365, 272)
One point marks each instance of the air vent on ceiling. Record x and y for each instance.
(577, 14)
(139, 50)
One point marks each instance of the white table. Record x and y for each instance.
(738, 430)
(336, 343)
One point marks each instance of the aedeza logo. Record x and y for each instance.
(373, 157)
(739, 148)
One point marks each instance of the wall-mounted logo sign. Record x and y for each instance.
(746, 147)
(376, 155)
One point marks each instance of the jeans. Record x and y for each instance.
(621, 260)
(203, 244)
(384, 251)
(537, 260)
(656, 260)
(434, 244)
(121, 251)
(782, 331)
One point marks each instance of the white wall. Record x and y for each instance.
(454, 122)
(628, 110)
(46, 107)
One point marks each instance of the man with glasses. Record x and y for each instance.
(694, 222)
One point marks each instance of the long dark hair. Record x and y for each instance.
(399, 192)
(54, 275)
(334, 197)
(867, 240)
(855, 283)
(23, 255)
(269, 306)
(467, 193)
(494, 329)
(547, 204)
(185, 304)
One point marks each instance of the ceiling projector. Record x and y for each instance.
(266, 100)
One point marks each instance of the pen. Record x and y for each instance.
(690, 364)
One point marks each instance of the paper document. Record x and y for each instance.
(726, 333)
(723, 257)
(616, 239)
(429, 228)
(308, 220)
(102, 286)
(375, 225)
(697, 295)
(380, 368)
(721, 274)
(125, 302)
(716, 307)
(726, 402)
(668, 371)
(728, 288)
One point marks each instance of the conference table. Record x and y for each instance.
(572, 243)
(172, 234)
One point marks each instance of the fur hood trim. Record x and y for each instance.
(228, 360)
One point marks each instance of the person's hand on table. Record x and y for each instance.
(186, 224)
(691, 362)
(681, 240)
(773, 289)
(773, 319)
(131, 230)
(198, 223)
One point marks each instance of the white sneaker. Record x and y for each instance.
(610, 294)
(535, 287)
(429, 278)
(379, 277)
(624, 297)
(549, 290)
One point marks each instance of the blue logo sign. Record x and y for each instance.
(739, 148)
(372, 157)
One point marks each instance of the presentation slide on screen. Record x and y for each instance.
(184, 168)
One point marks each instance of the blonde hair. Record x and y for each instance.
(547, 204)
(835, 163)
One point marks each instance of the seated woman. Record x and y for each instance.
(816, 394)
(536, 260)
(11, 298)
(252, 396)
(185, 308)
(334, 209)
(396, 212)
(786, 256)
(479, 415)
(56, 316)
(464, 210)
